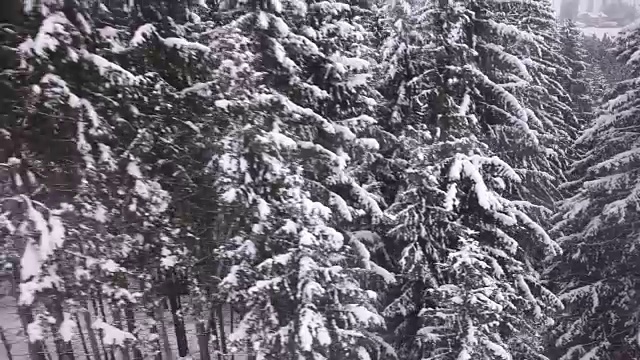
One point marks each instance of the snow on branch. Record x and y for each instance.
(513, 31)
(513, 60)
(520, 117)
(50, 234)
(52, 28)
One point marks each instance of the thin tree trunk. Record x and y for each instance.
(101, 306)
(94, 304)
(131, 327)
(178, 323)
(149, 308)
(202, 332)
(233, 357)
(111, 352)
(154, 331)
(168, 355)
(250, 351)
(117, 319)
(7, 344)
(250, 354)
(97, 311)
(104, 348)
(213, 329)
(203, 340)
(93, 341)
(221, 330)
(64, 349)
(85, 348)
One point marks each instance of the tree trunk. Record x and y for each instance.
(117, 319)
(129, 313)
(202, 332)
(154, 331)
(164, 335)
(203, 340)
(85, 348)
(64, 349)
(7, 344)
(221, 330)
(231, 319)
(213, 329)
(97, 311)
(101, 306)
(178, 323)
(149, 308)
(93, 340)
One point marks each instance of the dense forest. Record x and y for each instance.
(354, 180)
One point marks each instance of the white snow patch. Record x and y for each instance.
(110, 266)
(142, 34)
(168, 259)
(35, 331)
(134, 170)
(181, 43)
(111, 335)
(67, 328)
(100, 214)
(364, 315)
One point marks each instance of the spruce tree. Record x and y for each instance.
(596, 274)
(533, 49)
(603, 55)
(467, 271)
(291, 174)
(583, 95)
(85, 137)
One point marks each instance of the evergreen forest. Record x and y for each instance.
(317, 180)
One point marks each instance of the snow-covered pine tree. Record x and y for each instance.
(596, 275)
(183, 133)
(467, 250)
(11, 19)
(594, 76)
(86, 140)
(531, 47)
(585, 85)
(401, 62)
(583, 97)
(601, 51)
(296, 98)
(174, 44)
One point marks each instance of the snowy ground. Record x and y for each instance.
(600, 32)
(10, 322)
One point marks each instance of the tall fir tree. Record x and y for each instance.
(291, 170)
(601, 52)
(467, 271)
(93, 151)
(583, 92)
(596, 275)
(533, 49)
